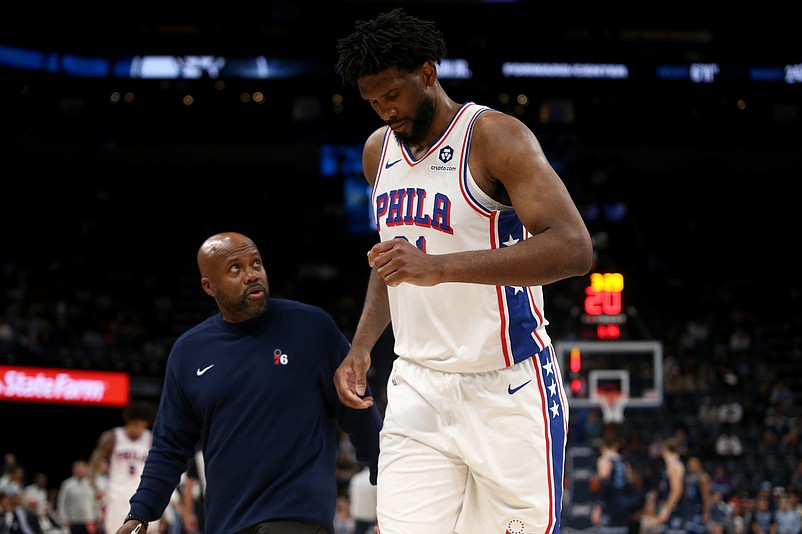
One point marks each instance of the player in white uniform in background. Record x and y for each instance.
(473, 221)
(125, 449)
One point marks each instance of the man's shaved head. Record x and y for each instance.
(232, 272)
(217, 245)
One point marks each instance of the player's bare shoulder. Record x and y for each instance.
(107, 440)
(503, 150)
(371, 154)
(104, 447)
(499, 138)
(495, 128)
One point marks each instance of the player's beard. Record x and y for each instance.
(242, 308)
(421, 123)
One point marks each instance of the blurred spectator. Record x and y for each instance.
(707, 412)
(720, 514)
(766, 490)
(790, 443)
(362, 496)
(37, 491)
(655, 448)
(46, 522)
(7, 334)
(171, 521)
(9, 462)
(193, 492)
(730, 412)
(729, 382)
(728, 444)
(795, 485)
(721, 481)
(14, 477)
(99, 478)
(741, 515)
(778, 420)
(14, 519)
(768, 442)
(77, 505)
(763, 518)
(673, 384)
(787, 517)
(52, 505)
(697, 332)
(343, 522)
(781, 394)
(346, 467)
(740, 340)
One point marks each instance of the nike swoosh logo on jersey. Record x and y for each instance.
(511, 390)
(389, 164)
(201, 371)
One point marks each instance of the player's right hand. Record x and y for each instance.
(350, 379)
(398, 261)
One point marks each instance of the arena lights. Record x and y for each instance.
(564, 70)
(697, 73)
(189, 67)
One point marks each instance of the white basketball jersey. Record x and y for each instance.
(435, 204)
(125, 468)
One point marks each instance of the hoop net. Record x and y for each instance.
(612, 404)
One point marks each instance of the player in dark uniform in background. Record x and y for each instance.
(671, 489)
(697, 496)
(613, 507)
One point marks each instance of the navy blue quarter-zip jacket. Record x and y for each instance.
(260, 399)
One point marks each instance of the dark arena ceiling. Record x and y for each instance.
(555, 30)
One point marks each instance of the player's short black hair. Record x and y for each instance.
(139, 410)
(392, 39)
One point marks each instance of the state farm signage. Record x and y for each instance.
(64, 386)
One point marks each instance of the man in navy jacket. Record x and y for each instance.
(253, 385)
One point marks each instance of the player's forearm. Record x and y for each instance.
(539, 260)
(706, 495)
(375, 314)
(672, 500)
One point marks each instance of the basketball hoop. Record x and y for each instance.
(612, 403)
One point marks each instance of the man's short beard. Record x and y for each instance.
(421, 122)
(242, 308)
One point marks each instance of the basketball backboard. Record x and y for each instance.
(592, 368)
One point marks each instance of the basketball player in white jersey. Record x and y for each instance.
(473, 221)
(125, 448)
